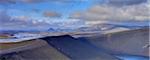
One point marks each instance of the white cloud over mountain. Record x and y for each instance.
(29, 23)
(112, 11)
(99, 13)
(21, 22)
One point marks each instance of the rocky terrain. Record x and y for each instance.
(112, 46)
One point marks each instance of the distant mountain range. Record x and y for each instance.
(17, 31)
(97, 27)
(104, 27)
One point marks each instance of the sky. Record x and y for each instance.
(71, 14)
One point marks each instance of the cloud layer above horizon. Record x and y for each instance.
(116, 10)
(44, 13)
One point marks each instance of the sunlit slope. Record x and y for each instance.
(133, 42)
(44, 52)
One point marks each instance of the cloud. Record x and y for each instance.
(28, 23)
(39, 1)
(24, 1)
(4, 17)
(20, 22)
(100, 13)
(8, 1)
(51, 14)
(67, 1)
(125, 2)
(56, 1)
(33, 1)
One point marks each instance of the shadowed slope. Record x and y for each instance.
(76, 49)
